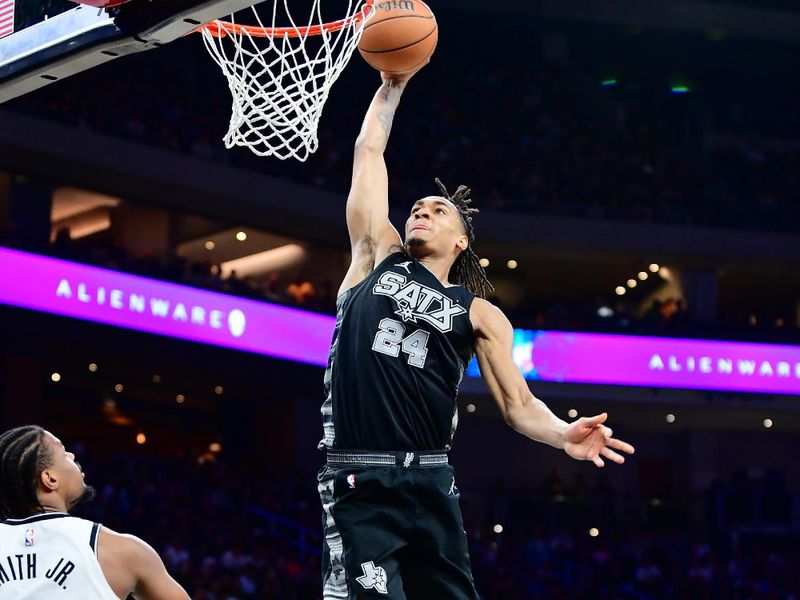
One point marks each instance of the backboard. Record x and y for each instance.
(43, 41)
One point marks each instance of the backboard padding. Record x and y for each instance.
(85, 37)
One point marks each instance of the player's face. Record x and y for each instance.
(67, 472)
(435, 225)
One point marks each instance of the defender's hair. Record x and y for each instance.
(467, 270)
(23, 456)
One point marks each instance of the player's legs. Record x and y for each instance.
(436, 564)
(366, 519)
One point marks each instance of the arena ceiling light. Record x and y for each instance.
(642, 276)
(70, 202)
(269, 261)
(82, 212)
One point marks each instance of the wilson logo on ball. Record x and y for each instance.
(397, 4)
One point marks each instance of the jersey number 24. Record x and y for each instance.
(389, 340)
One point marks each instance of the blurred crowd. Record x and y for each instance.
(202, 519)
(567, 144)
(228, 536)
(661, 316)
(540, 138)
(544, 137)
(667, 316)
(635, 566)
(294, 289)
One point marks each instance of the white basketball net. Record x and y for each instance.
(280, 81)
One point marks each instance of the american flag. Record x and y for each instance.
(6, 17)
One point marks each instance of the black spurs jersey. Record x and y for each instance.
(401, 345)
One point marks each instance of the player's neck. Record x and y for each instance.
(53, 505)
(439, 267)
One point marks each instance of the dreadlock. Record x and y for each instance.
(467, 270)
(23, 456)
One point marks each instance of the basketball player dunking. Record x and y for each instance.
(47, 554)
(408, 322)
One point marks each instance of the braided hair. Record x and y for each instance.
(23, 456)
(467, 270)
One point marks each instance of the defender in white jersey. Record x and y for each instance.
(47, 554)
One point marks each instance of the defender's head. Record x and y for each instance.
(442, 226)
(37, 474)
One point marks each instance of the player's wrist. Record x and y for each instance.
(391, 82)
(560, 432)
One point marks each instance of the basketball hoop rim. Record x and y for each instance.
(221, 29)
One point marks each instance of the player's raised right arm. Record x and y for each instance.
(371, 232)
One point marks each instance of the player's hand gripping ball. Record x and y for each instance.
(400, 36)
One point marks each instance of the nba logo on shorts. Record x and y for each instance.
(28, 538)
(351, 481)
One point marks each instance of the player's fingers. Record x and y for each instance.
(610, 454)
(598, 462)
(607, 432)
(594, 421)
(620, 445)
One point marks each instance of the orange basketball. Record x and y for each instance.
(400, 36)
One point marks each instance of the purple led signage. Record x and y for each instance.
(656, 362)
(83, 292)
(93, 294)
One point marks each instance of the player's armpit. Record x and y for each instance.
(366, 255)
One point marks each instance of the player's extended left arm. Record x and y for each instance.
(585, 439)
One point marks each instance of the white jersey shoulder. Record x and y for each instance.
(51, 556)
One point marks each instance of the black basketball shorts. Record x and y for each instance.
(393, 532)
